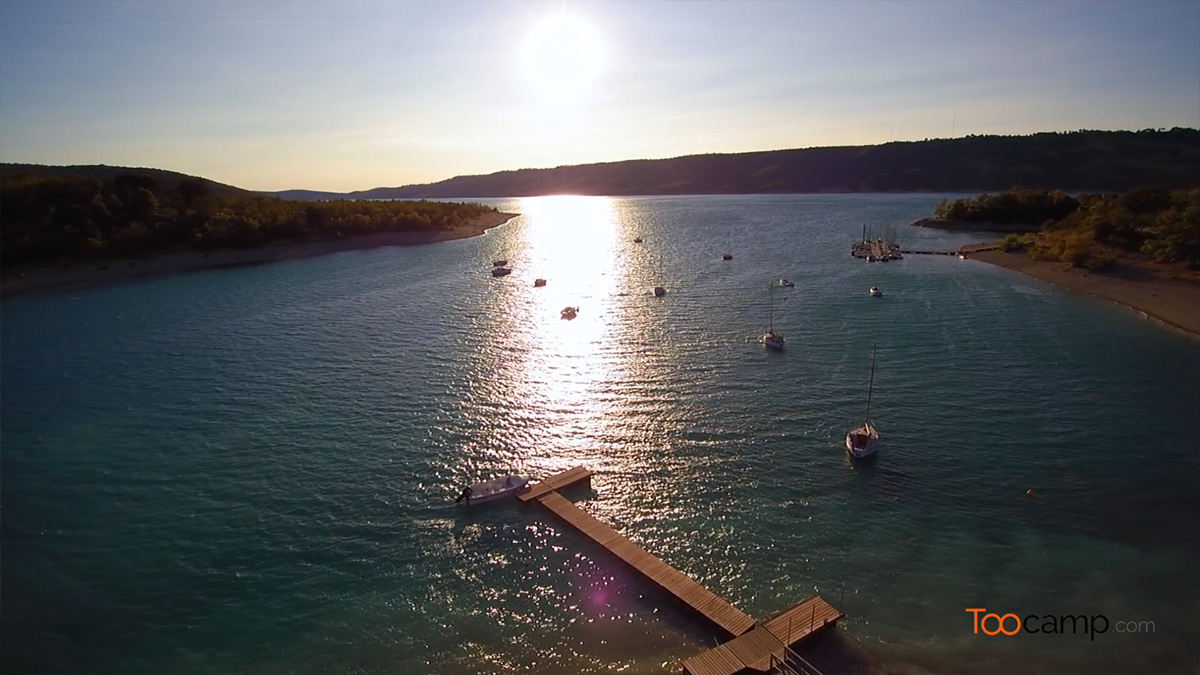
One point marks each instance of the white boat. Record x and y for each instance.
(569, 313)
(771, 339)
(491, 490)
(864, 441)
(875, 292)
(659, 291)
(501, 271)
(787, 282)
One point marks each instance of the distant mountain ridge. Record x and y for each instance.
(1081, 160)
(1097, 161)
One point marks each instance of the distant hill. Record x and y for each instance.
(1101, 161)
(104, 173)
(307, 195)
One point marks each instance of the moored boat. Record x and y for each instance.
(569, 313)
(770, 339)
(501, 271)
(538, 283)
(864, 441)
(491, 490)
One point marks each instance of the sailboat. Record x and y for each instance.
(864, 441)
(771, 339)
(660, 291)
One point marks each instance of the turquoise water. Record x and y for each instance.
(252, 470)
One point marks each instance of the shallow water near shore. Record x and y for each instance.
(252, 470)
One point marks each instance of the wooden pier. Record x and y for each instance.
(768, 643)
(964, 250)
(757, 646)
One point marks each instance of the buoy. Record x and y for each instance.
(1029, 493)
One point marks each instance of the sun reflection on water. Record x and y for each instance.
(572, 242)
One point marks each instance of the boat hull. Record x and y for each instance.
(497, 488)
(861, 452)
(862, 442)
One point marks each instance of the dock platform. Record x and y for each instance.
(558, 481)
(767, 643)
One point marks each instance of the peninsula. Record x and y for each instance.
(1140, 249)
(63, 230)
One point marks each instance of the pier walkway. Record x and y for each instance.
(758, 646)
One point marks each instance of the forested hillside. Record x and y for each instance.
(48, 216)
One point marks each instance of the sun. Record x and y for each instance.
(562, 57)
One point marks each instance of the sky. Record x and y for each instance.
(347, 95)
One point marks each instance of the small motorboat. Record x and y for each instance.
(659, 291)
(499, 263)
(875, 292)
(727, 256)
(538, 283)
(501, 271)
(569, 313)
(786, 282)
(491, 490)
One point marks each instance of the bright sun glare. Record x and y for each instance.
(562, 57)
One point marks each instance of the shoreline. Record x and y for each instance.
(50, 278)
(1139, 287)
(964, 226)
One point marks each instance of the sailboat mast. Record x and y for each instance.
(871, 385)
(771, 309)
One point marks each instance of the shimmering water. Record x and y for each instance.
(252, 470)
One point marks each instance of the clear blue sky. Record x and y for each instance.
(353, 94)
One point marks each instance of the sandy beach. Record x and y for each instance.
(1140, 286)
(964, 226)
(20, 281)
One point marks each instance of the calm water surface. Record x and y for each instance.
(253, 470)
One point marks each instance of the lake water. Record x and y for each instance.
(253, 470)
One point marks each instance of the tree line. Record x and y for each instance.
(57, 217)
(1091, 230)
